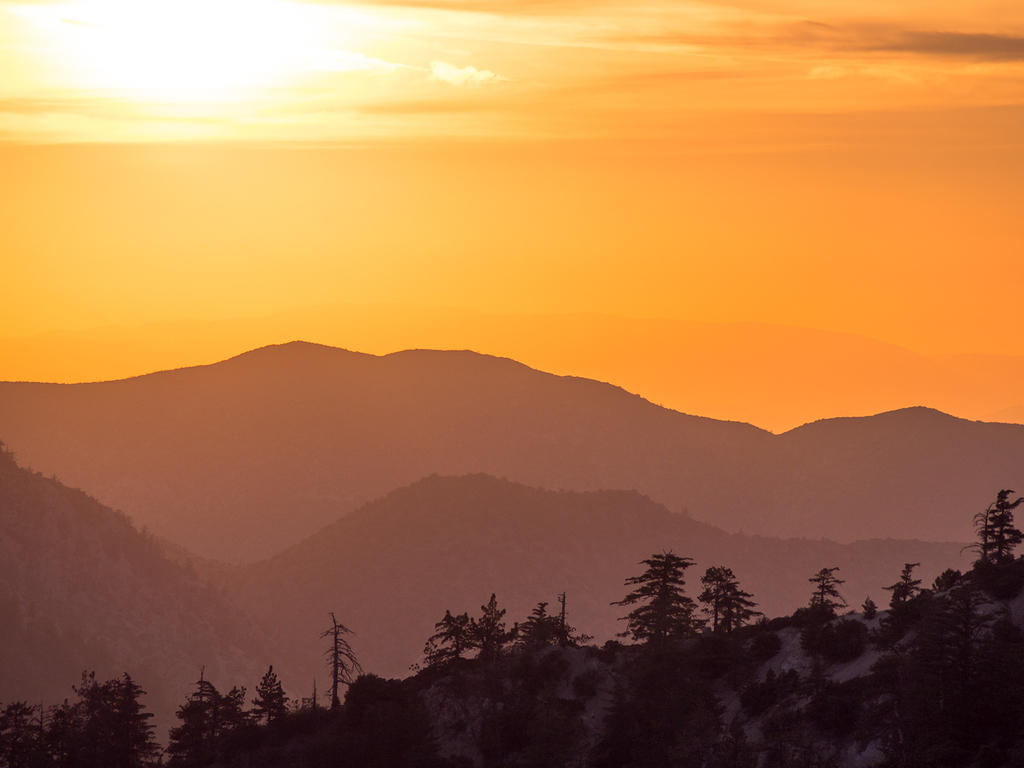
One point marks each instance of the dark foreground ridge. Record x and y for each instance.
(935, 680)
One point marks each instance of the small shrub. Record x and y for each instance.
(836, 708)
(837, 641)
(584, 685)
(810, 616)
(717, 654)
(1002, 582)
(608, 652)
(758, 697)
(946, 580)
(764, 646)
(869, 609)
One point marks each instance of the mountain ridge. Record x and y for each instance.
(242, 458)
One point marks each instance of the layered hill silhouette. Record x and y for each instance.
(81, 588)
(391, 569)
(774, 376)
(240, 459)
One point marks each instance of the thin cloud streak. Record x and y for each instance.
(848, 38)
(497, 7)
(989, 47)
(97, 107)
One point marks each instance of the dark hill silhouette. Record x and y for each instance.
(239, 459)
(81, 588)
(393, 567)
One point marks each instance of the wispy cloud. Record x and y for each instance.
(498, 7)
(469, 75)
(430, 107)
(852, 37)
(96, 107)
(990, 47)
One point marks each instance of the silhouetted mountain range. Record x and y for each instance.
(391, 569)
(774, 376)
(81, 588)
(239, 459)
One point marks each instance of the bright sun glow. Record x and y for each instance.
(189, 50)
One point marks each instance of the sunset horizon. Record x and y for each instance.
(511, 384)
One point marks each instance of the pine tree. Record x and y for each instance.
(205, 717)
(997, 534)
(134, 744)
(728, 606)
(826, 597)
(231, 712)
(270, 701)
(949, 641)
(341, 659)
(452, 638)
(946, 580)
(568, 636)
(663, 613)
(906, 589)
(115, 728)
(539, 629)
(193, 742)
(21, 736)
(489, 634)
(95, 702)
(869, 608)
(63, 735)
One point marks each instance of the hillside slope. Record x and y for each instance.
(81, 588)
(391, 569)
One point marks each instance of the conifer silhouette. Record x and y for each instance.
(663, 612)
(270, 701)
(728, 606)
(826, 597)
(906, 589)
(997, 534)
(489, 632)
(452, 638)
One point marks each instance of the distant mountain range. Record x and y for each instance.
(81, 588)
(774, 376)
(240, 459)
(392, 568)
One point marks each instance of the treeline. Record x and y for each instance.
(944, 687)
(105, 727)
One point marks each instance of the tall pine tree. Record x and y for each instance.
(728, 606)
(663, 612)
(270, 701)
(826, 598)
(998, 536)
(489, 631)
(452, 639)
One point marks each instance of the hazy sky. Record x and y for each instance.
(849, 166)
(280, 70)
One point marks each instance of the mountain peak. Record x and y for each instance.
(911, 415)
(293, 349)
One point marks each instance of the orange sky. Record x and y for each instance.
(855, 167)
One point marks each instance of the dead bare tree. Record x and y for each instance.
(340, 658)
